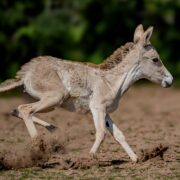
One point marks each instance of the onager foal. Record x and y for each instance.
(88, 87)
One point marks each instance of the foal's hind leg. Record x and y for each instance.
(48, 126)
(27, 110)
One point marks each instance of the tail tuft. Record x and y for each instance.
(10, 84)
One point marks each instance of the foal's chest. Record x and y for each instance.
(113, 103)
(112, 106)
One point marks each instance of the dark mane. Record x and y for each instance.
(117, 56)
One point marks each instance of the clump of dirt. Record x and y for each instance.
(147, 154)
(35, 154)
(65, 163)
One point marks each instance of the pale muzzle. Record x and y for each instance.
(167, 81)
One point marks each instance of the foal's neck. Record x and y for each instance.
(121, 77)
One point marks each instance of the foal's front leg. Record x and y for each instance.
(99, 122)
(120, 138)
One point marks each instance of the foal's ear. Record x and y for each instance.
(147, 35)
(139, 31)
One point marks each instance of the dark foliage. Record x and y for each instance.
(86, 30)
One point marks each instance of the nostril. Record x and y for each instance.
(168, 84)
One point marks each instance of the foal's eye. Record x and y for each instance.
(155, 60)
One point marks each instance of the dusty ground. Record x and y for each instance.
(148, 116)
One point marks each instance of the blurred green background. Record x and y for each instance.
(84, 30)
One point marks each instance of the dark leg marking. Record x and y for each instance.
(107, 124)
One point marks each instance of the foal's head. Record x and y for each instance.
(151, 66)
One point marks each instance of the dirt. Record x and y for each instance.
(147, 154)
(148, 116)
(36, 153)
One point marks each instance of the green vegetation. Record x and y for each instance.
(84, 30)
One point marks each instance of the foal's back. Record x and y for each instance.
(39, 77)
(46, 75)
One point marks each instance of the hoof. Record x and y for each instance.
(51, 128)
(15, 113)
(93, 156)
(36, 140)
(135, 159)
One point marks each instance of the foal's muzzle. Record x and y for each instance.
(167, 81)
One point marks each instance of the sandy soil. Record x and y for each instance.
(148, 116)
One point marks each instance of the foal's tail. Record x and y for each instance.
(10, 84)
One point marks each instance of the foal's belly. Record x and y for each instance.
(80, 104)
